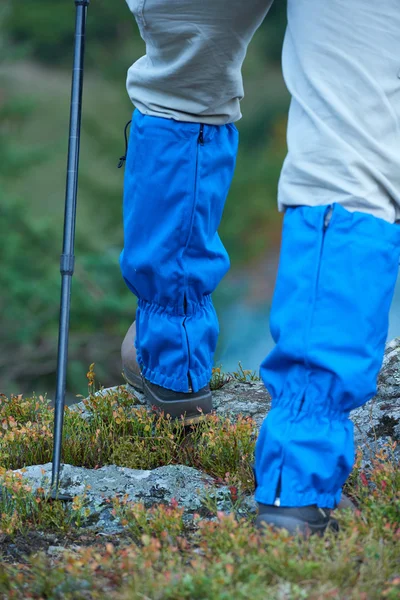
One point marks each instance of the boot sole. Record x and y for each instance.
(188, 410)
(294, 526)
(192, 410)
(133, 379)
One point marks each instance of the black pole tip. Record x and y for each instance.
(56, 495)
(82, 2)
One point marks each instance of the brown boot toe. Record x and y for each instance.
(130, 366)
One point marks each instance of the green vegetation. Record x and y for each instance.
(35, 73)
(161, 556)
(112, 429)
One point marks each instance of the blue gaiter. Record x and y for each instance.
(330, 321)
(177, 179)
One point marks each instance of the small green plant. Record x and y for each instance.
(245, 375)
(225, 449)
(377, 490)
(163, 522)
(219, 379)
(23, 509)
(91, 377)
(25, 431)
(234, 502)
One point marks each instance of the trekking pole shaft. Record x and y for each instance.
(67, 257)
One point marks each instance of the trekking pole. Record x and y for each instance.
(67, 257)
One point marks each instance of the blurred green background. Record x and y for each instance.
(36, 44)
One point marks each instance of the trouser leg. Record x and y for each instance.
(176, 182)
(335, 281)
(175, 185)
(329, 319)
(341, 66)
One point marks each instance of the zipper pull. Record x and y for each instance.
(123, 158)
(200, 139)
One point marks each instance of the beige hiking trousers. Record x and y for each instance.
(341, 63)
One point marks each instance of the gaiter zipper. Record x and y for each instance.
(326, 223)
(327, 220)
(200, 142)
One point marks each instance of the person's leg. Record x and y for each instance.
(329, 320)
(178, 173)
(176, 184)
(340, 187)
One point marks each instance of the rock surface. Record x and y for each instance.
(378, 421)
(375, 424)
(186, 485)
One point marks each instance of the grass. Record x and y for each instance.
(224, 559)
(112, 429)
(22, 509)
(219, 378)
(160, 555)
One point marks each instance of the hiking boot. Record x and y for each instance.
(346, 503)
(130, 366)
(305, 520)
(192, 406)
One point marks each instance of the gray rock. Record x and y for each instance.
(378, 421)
(250, 399)
(55, 550)
(159, 486)
(389, 377)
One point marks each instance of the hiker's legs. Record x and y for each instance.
(194, 55)
(176, 184)
(177, 179)
(340, 249)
